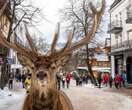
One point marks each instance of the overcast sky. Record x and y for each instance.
(50, 10)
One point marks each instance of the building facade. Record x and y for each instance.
(12, 62)
(4, 26)
(120, 30)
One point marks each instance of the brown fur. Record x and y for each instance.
(55, 100)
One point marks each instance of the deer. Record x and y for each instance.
(44, 94)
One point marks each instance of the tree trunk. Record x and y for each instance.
(5, 67)
(93, 80)
(4, 70)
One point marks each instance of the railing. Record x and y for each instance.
(115, 26)
(125, 45)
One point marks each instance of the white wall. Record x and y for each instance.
(121, 7)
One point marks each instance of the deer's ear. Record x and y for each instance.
(26, 62)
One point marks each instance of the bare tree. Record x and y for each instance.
(77, 13)
(19, 13)
(41, 44)
(43, 94)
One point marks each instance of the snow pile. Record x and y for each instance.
(89, 85)
(8, 97)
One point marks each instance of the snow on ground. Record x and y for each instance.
(86, 97)
(91, 98)
(9, 98)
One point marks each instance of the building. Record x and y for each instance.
(11, 59)
(99, 59)
(4, 26)
(120, 30)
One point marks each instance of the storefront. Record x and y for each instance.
(1, 62)
(129, 69)
(118, 64)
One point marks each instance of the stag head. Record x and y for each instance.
(45, 67)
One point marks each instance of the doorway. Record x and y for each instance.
(129, 69)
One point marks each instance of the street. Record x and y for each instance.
(86, 98)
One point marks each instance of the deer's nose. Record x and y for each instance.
(41, 75)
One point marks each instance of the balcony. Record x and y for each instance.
(126, 45)
(115, 27)
(129, 16)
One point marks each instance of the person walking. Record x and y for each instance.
(11, 77)
(117, 81)
(58, 77)
(27, 83)
(99, 78)
(63, 81)
(23, 79)
(123, 77)
(110, 81)
(68, 78)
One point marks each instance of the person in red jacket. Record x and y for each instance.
(117, 81)
(105, 79)
(68, 78)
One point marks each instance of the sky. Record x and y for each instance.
(50, 10)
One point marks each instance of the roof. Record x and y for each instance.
(115, 3)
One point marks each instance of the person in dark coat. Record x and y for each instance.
(110, 81)
(58, 77)
(99, 78)
(23, 79)
(11, 77)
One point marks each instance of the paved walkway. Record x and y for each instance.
(90, 98)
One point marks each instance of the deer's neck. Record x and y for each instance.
(45, 102)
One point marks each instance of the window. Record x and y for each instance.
(120, 40)
(120, 18)
(129, 36)
(116, 18)
(116, 40)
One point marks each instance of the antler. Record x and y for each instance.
(3, 8)
(21, 50)
(29, 38)
(96, 20)
(54, 54)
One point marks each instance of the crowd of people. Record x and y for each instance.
(16, 79)
(63, 80)
(81, 79)
(118, 81)
(103, 79)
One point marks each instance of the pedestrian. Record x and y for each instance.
(117, 81)
(86, 78)
(77, 81)
(105, 79)
(68, 78)
(63, 81)
(58, 77)
(99, 78)
(110, 81)
(27, 83)
(23, 79)
(76, 76)
(80, 80)
(11, 77)
(123, 77)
